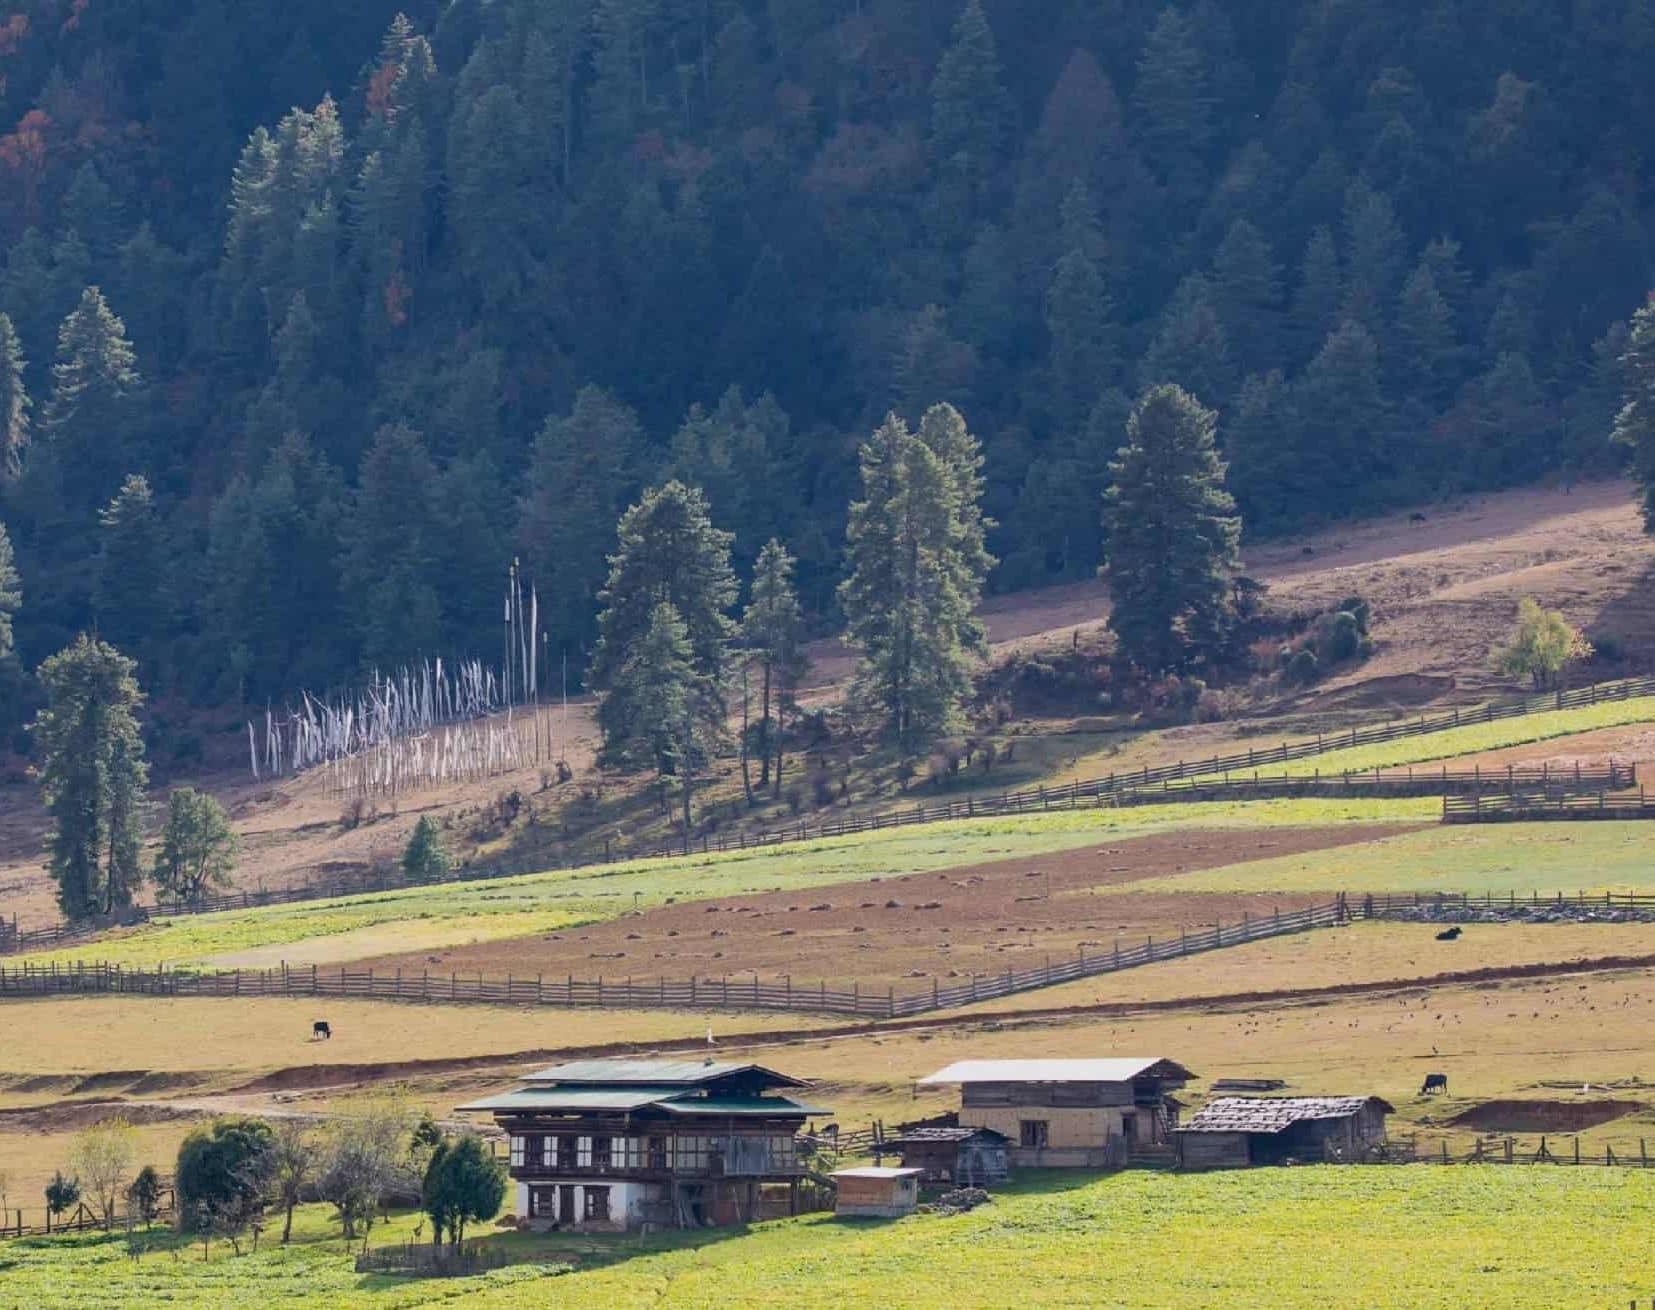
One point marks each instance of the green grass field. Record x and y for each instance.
(1454, 742)
(1417, 1237)
(456, 913)
(1501, 857)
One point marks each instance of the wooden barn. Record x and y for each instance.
(875, 1192)
(613, 1145)
(1069, 1114)
(968, 1157)
(1235, 1131)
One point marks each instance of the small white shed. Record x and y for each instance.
(876, 1192)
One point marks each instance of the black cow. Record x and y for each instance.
(1450, 934)
(320, 1029)
(1434, 1082)
(1416, 517)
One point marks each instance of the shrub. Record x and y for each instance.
(223, 1172)
(1338, 637)
(425, 855)
(1302, 668)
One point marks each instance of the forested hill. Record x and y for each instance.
(512, 260)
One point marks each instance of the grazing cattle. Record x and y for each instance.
(1434, 1082)
(1449, 934)
(320, 1029)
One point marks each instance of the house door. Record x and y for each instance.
(566, 1212)
(1129, 1128)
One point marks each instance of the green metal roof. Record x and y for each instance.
(741, 1105)
(575, 1098)
(653, 1073)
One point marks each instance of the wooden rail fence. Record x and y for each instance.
(725, 993)
(1537, 806)
(1142, 786)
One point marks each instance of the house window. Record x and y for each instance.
(542, 1203)
(597, 1204)
(548, 1152)
(601, 1154)
(657, 1153)
(1032, 1134)
(583, 1152)
(518, 1147)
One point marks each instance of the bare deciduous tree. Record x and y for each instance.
(102, 1156)
(295, 1156)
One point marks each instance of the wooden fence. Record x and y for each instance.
(83, 1219)
(1549, 1150)
(1140, 786)
(1536, 806)
(721, 993)
(725, 993)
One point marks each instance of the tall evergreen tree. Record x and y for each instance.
(1079, 311)
(915, 576)
(92, 775)
(1245, 290)
(11, 593)
(130, 588)
(14, 403)
(90, 417)
(1191, 348)
(580, 474)
(970, 110)
(391, 540)
(1315, 310)
(1174, 105)
(772, 630)
(1346, 431)
(669, 553)
(1171, 534)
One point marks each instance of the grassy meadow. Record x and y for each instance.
(1498, 858)
(456, 913)
(1451, 743)
(1420, 1237)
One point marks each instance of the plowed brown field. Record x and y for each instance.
(904, 932)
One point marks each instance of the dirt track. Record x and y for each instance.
(978, 919)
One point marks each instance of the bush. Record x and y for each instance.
(223, 1172)
(1339, 637)
(425, 855)
(1302, 668)
(1357, 608)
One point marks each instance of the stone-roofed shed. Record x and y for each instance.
(1235, 1131)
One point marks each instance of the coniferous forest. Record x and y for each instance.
(313, 316)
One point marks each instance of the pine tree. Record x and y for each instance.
(11, 593)
(668, 553)
(1174, 106)
(1191, 348)
(1346, 432)
(1421, 352)
(1079, 310)
(659, 683)
(425, 856)
(1315, 310)
(14, 403)
(92, 775)
(390, 546)
(91, 414)
(1246, 289)
(932, 364)
(579, 477)
(915, 576)
(970, 110)
(198, 846)
(1171, 534)
(1375, 249)
(1266, 466)
(129, 591)
(772, 630)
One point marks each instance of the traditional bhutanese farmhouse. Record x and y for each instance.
(874, 1192)
(971, 1157)
(612, 1145)
(1071, 1113)
(1242, 1130)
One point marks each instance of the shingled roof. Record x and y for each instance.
(921, 1136)
(1273, 1114)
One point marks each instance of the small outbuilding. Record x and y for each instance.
(875, 1192)
(1072, 1114)
(968, 1157)
(1236, 1131)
